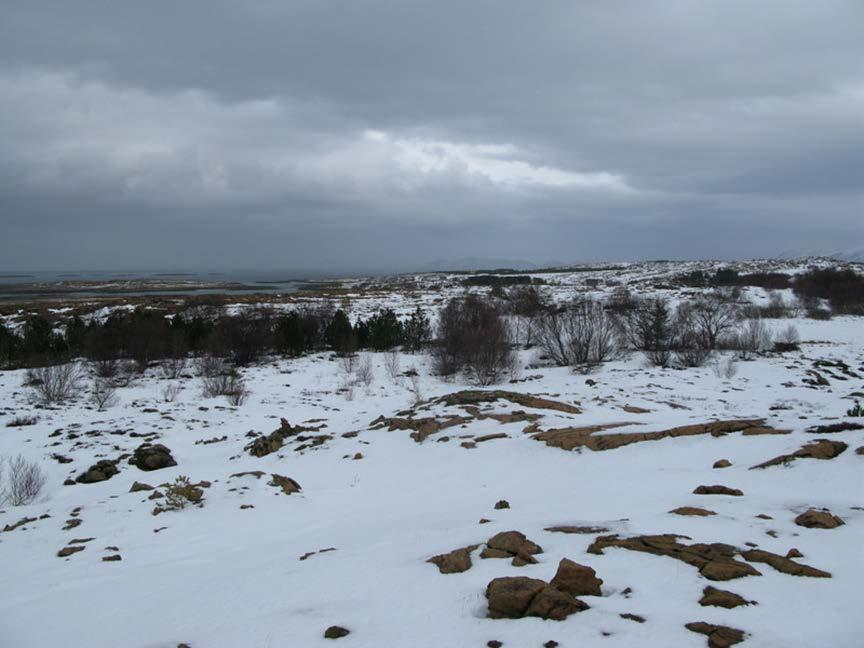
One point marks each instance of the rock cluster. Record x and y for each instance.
(149, 457)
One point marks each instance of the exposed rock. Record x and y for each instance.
(112, 558)
(570, 438)
(794, 553)
(454, 562)
(859, 450)
(502, 504)
(632, 617)
(517, 597)
(718, 636)
(19, 523)
(511, 544)
(264, 445)
(782, 564)
(336, 632)
(717, 489)
(576, 529)
(309, 554)
(71, 523)
(100, 471)
(819, 449)
(722, 463)
(493, 643)
(714, 561)
(490, 437)
(721, 598)
(68, 551)
(815, 519)
(257, 474)
(632, 409)
(139, 486)
(475, 396)
(149, 457)
(692, 510)
(576, 579)
(844, 426)
(287, 484)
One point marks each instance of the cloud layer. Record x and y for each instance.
(381, 135)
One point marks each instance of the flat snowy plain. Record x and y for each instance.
(223, 576)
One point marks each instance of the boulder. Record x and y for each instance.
(287, 484)
(139, 486)
(100, 471)
(150, 456)
(517, 597)
(717, 489)
(336, 632)
(512, 544)
(692, 510)
(815, 519)
(576, 579)
(454, 562)
(721, 598)
(722, 463)
(718, 636)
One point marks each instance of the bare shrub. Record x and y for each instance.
(725, 367)
(105, 368)
(581, 334)
(22, 421)
(348, 362)
(753, 337)
(103, 393)
(691, 347)
(415, 388)
(209, 365)
(25, 482)
(55, 383)
(711, 318)
(473, 337)
(363, 372)
(391, 365)
(173, 368)
(789, 335)
(231, 385)
(170, 391)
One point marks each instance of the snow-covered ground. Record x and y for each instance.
(230, 573)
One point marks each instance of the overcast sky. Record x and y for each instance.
(358, 134)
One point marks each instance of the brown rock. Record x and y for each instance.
(722, 463)
(820, 449)
(553, 604)
(100, 471)
(336, 632)
(794, 553)
(454, 562)
(139, 486)
(502, 504)
(511, 544)
(814, 519)
(717, 489)
(287, 484)
(721, 598)
(68, 551)
(113, 558)
(149, 457)
(632, 617)
(577, 529)
(714, 561)
(692, 510)
(576, 579)
(784, 565)
(718, 636)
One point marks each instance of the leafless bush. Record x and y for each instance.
(473, 336)
(106, 368)
(710, 318)
(725, 367)
(363, 373)
(25, 482)
(173, 368)
(55, 383)
(170, 391)
(582, 334)
(753, 337)
(209, 366)
(348, 362)
(391, 365)
(231, 385)
(103, 393)
(22, 421)
(415, 389)
(691, 347)
(789, 335)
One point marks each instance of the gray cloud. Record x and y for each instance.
(311, 134)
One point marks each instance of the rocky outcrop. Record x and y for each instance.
(718, 636)
(714, 561)
(149, 457)
(717, 489)
(518, 597)
(815, 519)
(100, 471)
(819, 449)
(512, 544)
(287, 484)
(586, 437)
(782, 564)
(454, 562)
(711, 596)
(576, 579)
(692, 510)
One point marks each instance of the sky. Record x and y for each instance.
(373, 134)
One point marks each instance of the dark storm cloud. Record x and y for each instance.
(328, 133)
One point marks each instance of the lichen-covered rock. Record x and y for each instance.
(149, 456)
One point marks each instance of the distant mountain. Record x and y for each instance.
(855, 254)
